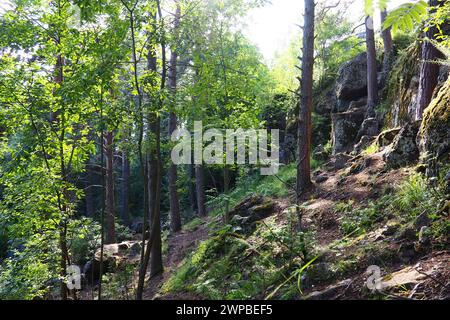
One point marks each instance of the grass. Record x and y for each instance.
(372, 149)
(276, 186)
(229, 266)
(412, 198)
(193, 224)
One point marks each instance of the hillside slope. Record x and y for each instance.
(358, 214)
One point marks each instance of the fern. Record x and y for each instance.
(406, 15)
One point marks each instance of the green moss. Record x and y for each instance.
(403, 71)
(193, 224)
(437, 115)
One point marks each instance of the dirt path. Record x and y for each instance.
(370, 181)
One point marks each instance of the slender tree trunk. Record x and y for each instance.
(175, 218)
(304, 121)
(429, 72)
(156, 265)
(191, 186)
(226, 188)
(63, 262)
(88, 190)
(372, 79)
(125, 194)
(110, 219)
(388, 45)
(200, 188)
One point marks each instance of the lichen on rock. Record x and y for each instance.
(434, 134)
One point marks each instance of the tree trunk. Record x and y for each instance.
(154, 201)
(306, 92)
(388, 45)
(200, 188)
(372, 77)
(110, 220)
(226, 188)
(125, 194)
(89, 191)
(191, 186)
(175, 218)
(63, 261)
(156, 265)
(429, 72)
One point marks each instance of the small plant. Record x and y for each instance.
(193, 224)
(372, 149)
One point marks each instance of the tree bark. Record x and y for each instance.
(125, 194)
(429, 72)
(387, 41)
(372, 77)
(156, 265)
(191, 186)
(306, 91)
(175, 218)
(200, 188)
(89, 190)
(110, 219)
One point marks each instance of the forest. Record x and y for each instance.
(153, 150)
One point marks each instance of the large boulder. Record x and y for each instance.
(370, 127)
(115, 256)
(403, 150)
(351, 83)
(345, 128)
(250, 210)
(386, 137)
(434, 134)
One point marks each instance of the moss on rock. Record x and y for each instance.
(434, 133)
(402, 85)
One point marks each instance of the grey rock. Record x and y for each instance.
(331, 292)
(424, 239)
(321, 179)
(345, 128)
(351, 82)
(408, 233)
(403, 150)
(370, 127)
(250, 210)
(386, 137)
(362, 145)
(422, 221)
(340, 161)
(407, 251)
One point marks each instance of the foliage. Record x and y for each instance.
(411, 198)
(406, 15)
(119, 285)
(227, 266)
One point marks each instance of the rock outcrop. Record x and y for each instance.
(348, 113)
(351, 83)
(434, 134)
(403, 150)
(115, 255)
(346, 126)
(250, 210)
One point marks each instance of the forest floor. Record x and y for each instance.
(362, 180)
(179, 245)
